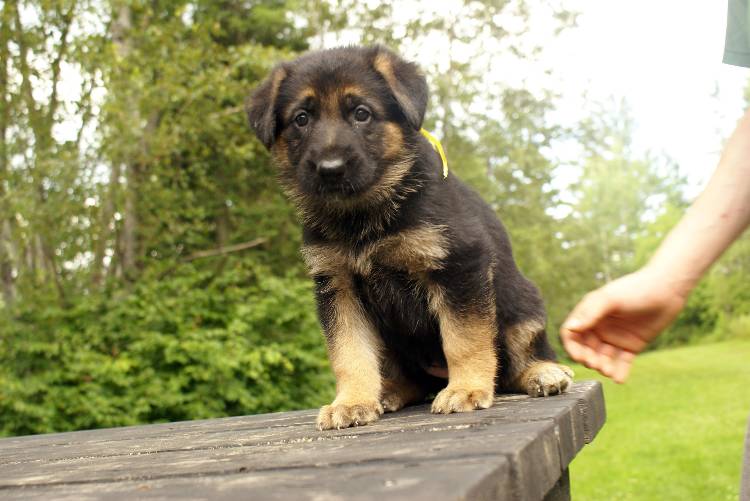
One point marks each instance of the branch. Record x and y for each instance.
(225, 250)
(87, 114)
(214, 252)
(25, 75)
(227, 111)
(68, 20)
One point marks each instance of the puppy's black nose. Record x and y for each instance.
(330, 167)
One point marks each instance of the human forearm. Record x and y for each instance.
(713, 222)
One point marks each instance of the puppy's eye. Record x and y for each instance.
(301, 119)
(362, 114)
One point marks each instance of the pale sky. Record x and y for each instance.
(664, 57)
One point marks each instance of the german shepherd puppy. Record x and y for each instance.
(414, 274)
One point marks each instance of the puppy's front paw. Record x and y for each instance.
(344, 415)
(547, 378)
(457, 399)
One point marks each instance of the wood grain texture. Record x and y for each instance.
(518, 449)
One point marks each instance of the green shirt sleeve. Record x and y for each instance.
(737, 46)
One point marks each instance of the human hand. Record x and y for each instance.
(612, 324)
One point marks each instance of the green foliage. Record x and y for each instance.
(697, 321)
(736, 327)
(197, 345)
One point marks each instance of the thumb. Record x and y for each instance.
(587, 313)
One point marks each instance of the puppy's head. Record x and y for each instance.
(341, 123)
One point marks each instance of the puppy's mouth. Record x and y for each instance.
(343, 188)
(345, 181)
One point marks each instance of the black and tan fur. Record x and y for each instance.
(414, 273)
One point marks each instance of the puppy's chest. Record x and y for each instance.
(413, 251)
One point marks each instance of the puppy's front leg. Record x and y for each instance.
(468, 336)
(354, 349)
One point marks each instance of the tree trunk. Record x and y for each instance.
(129, 236)
(109, 202)
(130, 224)
(222, 226)
(6, 264)
(54, 271)
(7, 280)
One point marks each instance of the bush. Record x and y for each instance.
(197, 345)
(695, 323)
(732, 327)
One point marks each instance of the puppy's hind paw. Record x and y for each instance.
(398, 393)
(392, 402)
(547, 378)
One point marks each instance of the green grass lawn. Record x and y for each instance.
(675, 430)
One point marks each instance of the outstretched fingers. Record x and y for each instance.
(591, 351)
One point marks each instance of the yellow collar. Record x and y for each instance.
(439, 148)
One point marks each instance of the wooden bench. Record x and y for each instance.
(519, 449)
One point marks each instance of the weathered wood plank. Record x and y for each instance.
(518, 449)
(262, 429)
(357, 482)
(561, 490)
(445, 442)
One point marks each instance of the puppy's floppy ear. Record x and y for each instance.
(407, 84)
(261, 106)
